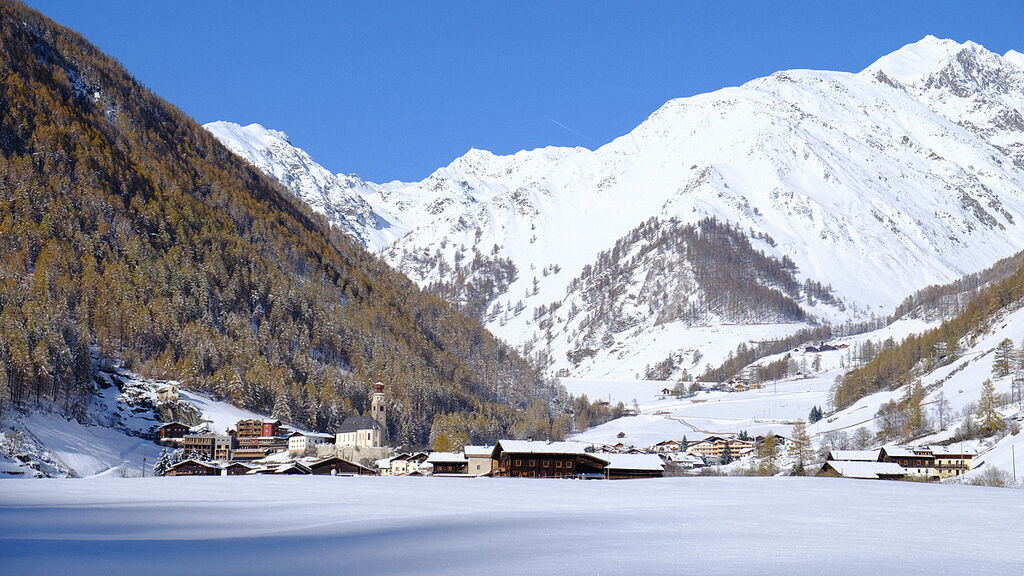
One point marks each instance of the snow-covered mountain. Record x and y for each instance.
(849, 191)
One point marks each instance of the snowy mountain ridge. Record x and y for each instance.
(876, 184)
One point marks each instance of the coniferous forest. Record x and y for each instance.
(129, 234)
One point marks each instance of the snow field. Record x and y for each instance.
(246, 525)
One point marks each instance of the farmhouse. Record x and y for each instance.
(335, 466)
(192, 467)
(448, 462)
(518, 458)
(918, 464)
(478, 459)
(173, 431)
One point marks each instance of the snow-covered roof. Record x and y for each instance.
(478, 450)
(854, 455)
(632, 461)
(951, 451)
(446, 457)
(873, 470)
(539, 447)
(900, 452)
(312, 435)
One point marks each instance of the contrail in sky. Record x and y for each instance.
(576, 132)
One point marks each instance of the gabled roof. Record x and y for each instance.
(478, 450)
(357, 423)
(446, 458)
(330, 460)
(854, 455)
(947, 451)
(537, 447)
(901, 452)
(200, 462)
(632, 461)
(872, 470)
(293, 466)
(174, 423)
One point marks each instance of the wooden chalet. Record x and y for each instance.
(173, 430)
(335, 466)
(528, 459)
(448, 462)
(237, 469)
(292, 468)
(918, 464)
(667, 446)
(192, 467)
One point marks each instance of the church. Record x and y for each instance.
(369, 430)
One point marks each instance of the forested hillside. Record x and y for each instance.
(128, 232)
(918, 354)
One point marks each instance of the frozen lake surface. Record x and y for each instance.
(317, 525)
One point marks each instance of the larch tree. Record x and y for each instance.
(801, 450)
(769, 454)
(989, 418)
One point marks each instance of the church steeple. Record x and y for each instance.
(378, 405)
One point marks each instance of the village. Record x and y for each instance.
(359, 447)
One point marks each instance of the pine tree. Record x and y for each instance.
(815, 415)
(988, 410)
(1004, 362)
(163, 463)
(726, 456)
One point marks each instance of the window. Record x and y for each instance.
(533, 463)
(558, 464)
(519, 462)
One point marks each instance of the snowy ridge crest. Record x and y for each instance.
(917, 159)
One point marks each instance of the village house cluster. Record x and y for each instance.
(898, 463)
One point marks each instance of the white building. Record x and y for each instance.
(479, 458)
(299, 442)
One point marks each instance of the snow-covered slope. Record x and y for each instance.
(337, 196)
(907, 174)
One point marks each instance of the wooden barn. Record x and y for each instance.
(192, 467)
(528, 459)
(335, 466)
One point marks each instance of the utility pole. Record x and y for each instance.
(1013, 458)
(143, 460)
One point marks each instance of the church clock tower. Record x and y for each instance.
(377, 410)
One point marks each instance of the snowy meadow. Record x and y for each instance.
(715, 525)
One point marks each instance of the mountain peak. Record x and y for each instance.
(920, 59)
(1015, 58)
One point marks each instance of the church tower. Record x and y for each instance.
(378, 412)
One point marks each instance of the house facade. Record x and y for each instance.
(478, 459)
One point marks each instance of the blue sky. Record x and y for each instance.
(394, 90)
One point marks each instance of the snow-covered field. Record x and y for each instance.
(318, 525)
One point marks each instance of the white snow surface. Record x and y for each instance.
(323, 524)
(876, 185)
